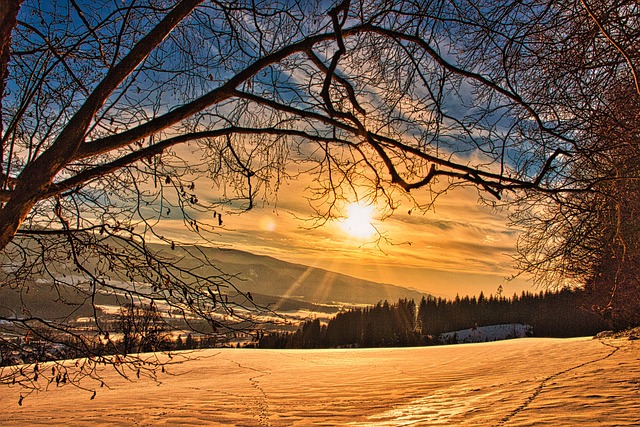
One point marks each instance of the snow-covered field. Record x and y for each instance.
(519, 382)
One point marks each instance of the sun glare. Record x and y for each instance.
(358, 221)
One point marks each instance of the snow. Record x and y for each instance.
(487, 333)
(523, 382)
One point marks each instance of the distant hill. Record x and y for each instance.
(272, 277)
(280, 285)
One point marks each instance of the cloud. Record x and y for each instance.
(459, 246)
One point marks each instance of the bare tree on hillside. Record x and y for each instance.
(143, 329)
(113, 110)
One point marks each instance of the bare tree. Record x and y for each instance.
(143, 329)
(590, 238)
(113, 110)
(586, 235)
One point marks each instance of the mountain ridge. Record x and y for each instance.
(268, 275)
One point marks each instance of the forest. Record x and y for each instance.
(563, 313)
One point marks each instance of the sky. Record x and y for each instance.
(459, 247)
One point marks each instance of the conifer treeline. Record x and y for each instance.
(551, 314)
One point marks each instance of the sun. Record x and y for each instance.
(358, 221)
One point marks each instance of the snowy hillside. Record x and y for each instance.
(487, 333)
